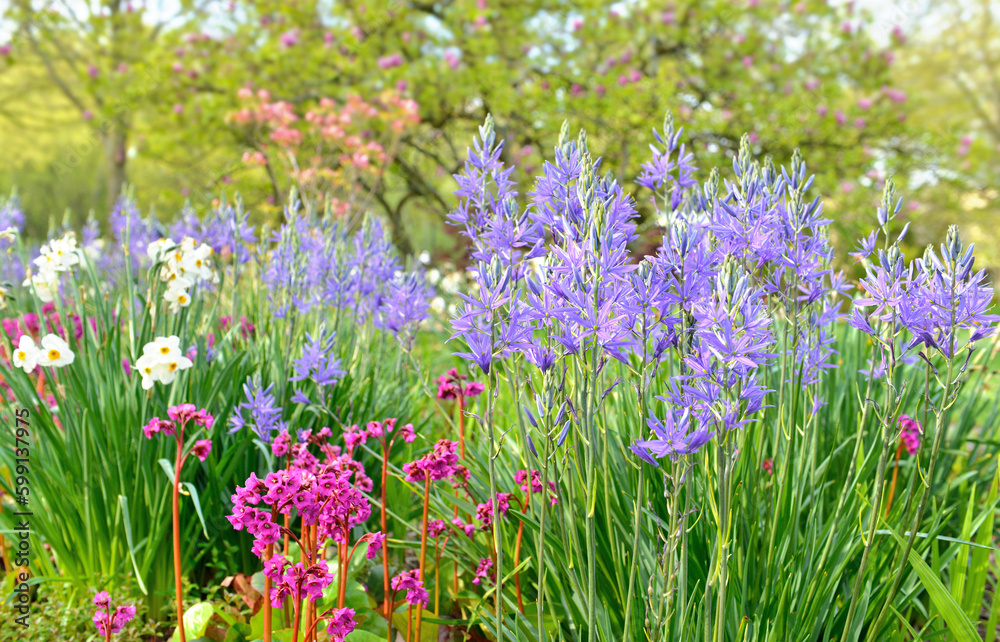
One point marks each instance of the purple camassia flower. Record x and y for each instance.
(141, 232)
(264, 414)
(404, 305)
(487, 209)
(947, 296)
(11, 216)
(672, 438)
(658, 174)
(317, 363)
(226, 229)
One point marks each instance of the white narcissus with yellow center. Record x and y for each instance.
(55, 352)
(161, 361)
(26, 354)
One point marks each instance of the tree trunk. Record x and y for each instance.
(115, 157)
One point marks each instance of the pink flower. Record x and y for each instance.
(375, 541)
(281, 444)
(436, 527)
(484, 512)
(156, 426)
(390, 61)
(341, 624)
(910, 434)
(748, 61)
(768, 465)
(474, 389)
(865, 103)
(202, 448)
(438, 464)
(107, 622)
(102, 600)
(290, 38)
(841, 117)
(484, 571)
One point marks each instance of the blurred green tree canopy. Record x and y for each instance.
(97, 94)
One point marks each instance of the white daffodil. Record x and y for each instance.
(45, 284)
(161, 361)
(163, 349)
(185, 265)
(55, 352)
(177, 294)
(166, 372)
(26, 354)
(59, 254)
(144, 366)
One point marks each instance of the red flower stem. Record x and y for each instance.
(389, 599)
(306, 563)
(312, 630)
(461, 443)
(423, 544)
(298, 620)
(107, 625)
(311, 606)
(268, 552)
(178, 587)
(409, 622)
(288, 467)
(461, 426)
(517, 548)
(895, 474)
(344, 558)
(385, 542)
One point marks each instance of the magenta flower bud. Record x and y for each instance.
(201, 449)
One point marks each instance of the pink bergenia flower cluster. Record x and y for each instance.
(521, 478)
(341, 624)
(410, 582)
(451, 386)
(180, 416)
(380, 430)
(436, 527)
(484, 571)
(296, 581)
(484, 512)
(440, 463)
(108, 622)
(910, 434)
(325, 497)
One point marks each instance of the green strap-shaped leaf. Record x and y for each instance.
(123, 502)
(958, 622)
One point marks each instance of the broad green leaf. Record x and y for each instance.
(239, 632)
(195, 621)
(959, 624)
